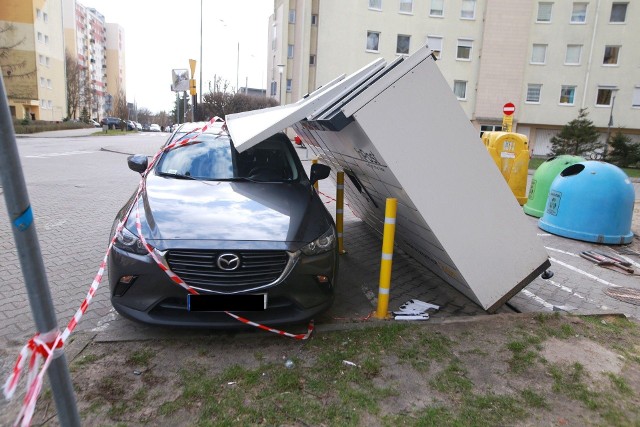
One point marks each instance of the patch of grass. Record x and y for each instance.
(452, 379)
(569, 381)
(425, 346)
(118, 409)
(533, 399)
(620, 384)
(140, 357)
(490, 410)
(169, 408)
(521, 359)
(87, 359)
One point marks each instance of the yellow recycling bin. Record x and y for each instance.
(510, 152)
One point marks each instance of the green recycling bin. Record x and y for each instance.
(541, 182)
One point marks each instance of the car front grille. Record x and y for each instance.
(198, 268)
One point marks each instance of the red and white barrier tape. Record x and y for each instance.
(43, 346)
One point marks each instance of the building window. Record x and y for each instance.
(41, 59)
(314, 19)
(460, 89)
(274, 88)
(38, 13)
(533, 93)
(544, 12)
(42, 81)
(49, 83)
(402, 44)
(435, 44)
(464, 49)
(605, 94)
(406, 6)
(375, 4)
(574, 53)
(46, 39)
(43, 104)
(289, 83)
(611, 55)
(468, 10)
(274, 37)
(539, 54)
(39, 36)
(579, 13)
(50, 104)
(635, 102)
(45, 17)
(567, 95)
(489, 128)
(290, 51)
(437, 8)
(373, 41)
(312, 60)
(292, 16)
(618, 12)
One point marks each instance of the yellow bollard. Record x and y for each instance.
(340, 211)
(313, 162)
(386, 262)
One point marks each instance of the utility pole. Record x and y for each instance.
(605, 152)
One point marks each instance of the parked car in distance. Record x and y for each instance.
(154, 127)
(112, 122)
(145, 127)
(247, 231)
(131, 125)
(138, 126)
(94, 123)
(184, 129)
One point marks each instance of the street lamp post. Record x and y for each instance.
(609, 125)
(281, 71)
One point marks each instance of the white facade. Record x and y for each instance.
(549, 58)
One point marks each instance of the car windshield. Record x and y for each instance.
(215, 158)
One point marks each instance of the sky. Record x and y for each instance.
(161, 36)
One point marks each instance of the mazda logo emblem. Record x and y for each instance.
(228, 262)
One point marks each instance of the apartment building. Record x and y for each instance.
(99, 49)
(116, 71)
(33, 68)
(549, 58)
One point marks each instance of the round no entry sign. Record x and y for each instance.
(508, 109)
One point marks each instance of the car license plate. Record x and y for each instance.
(251, 302)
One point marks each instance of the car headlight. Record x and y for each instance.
(322, 244)
(127, 241)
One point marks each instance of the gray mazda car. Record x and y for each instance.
(247, 232)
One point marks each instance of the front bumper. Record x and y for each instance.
(155, 299)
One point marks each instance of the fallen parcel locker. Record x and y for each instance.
(398, 131)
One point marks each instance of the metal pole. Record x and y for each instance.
(340, 211)
(200, 51)
(184, 97)
(606, 143)
(386, 262)
(33, 271)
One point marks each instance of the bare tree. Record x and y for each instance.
(74, 75)
(17, 71)
(119, 107)
(145, 115)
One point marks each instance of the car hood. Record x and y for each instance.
(177, 209)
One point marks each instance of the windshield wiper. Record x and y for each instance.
(177, 175)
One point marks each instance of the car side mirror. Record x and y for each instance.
(138, 162)
(318, 172)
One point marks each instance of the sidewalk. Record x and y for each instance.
(68, 133)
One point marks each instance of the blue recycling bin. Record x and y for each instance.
(590, 201)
